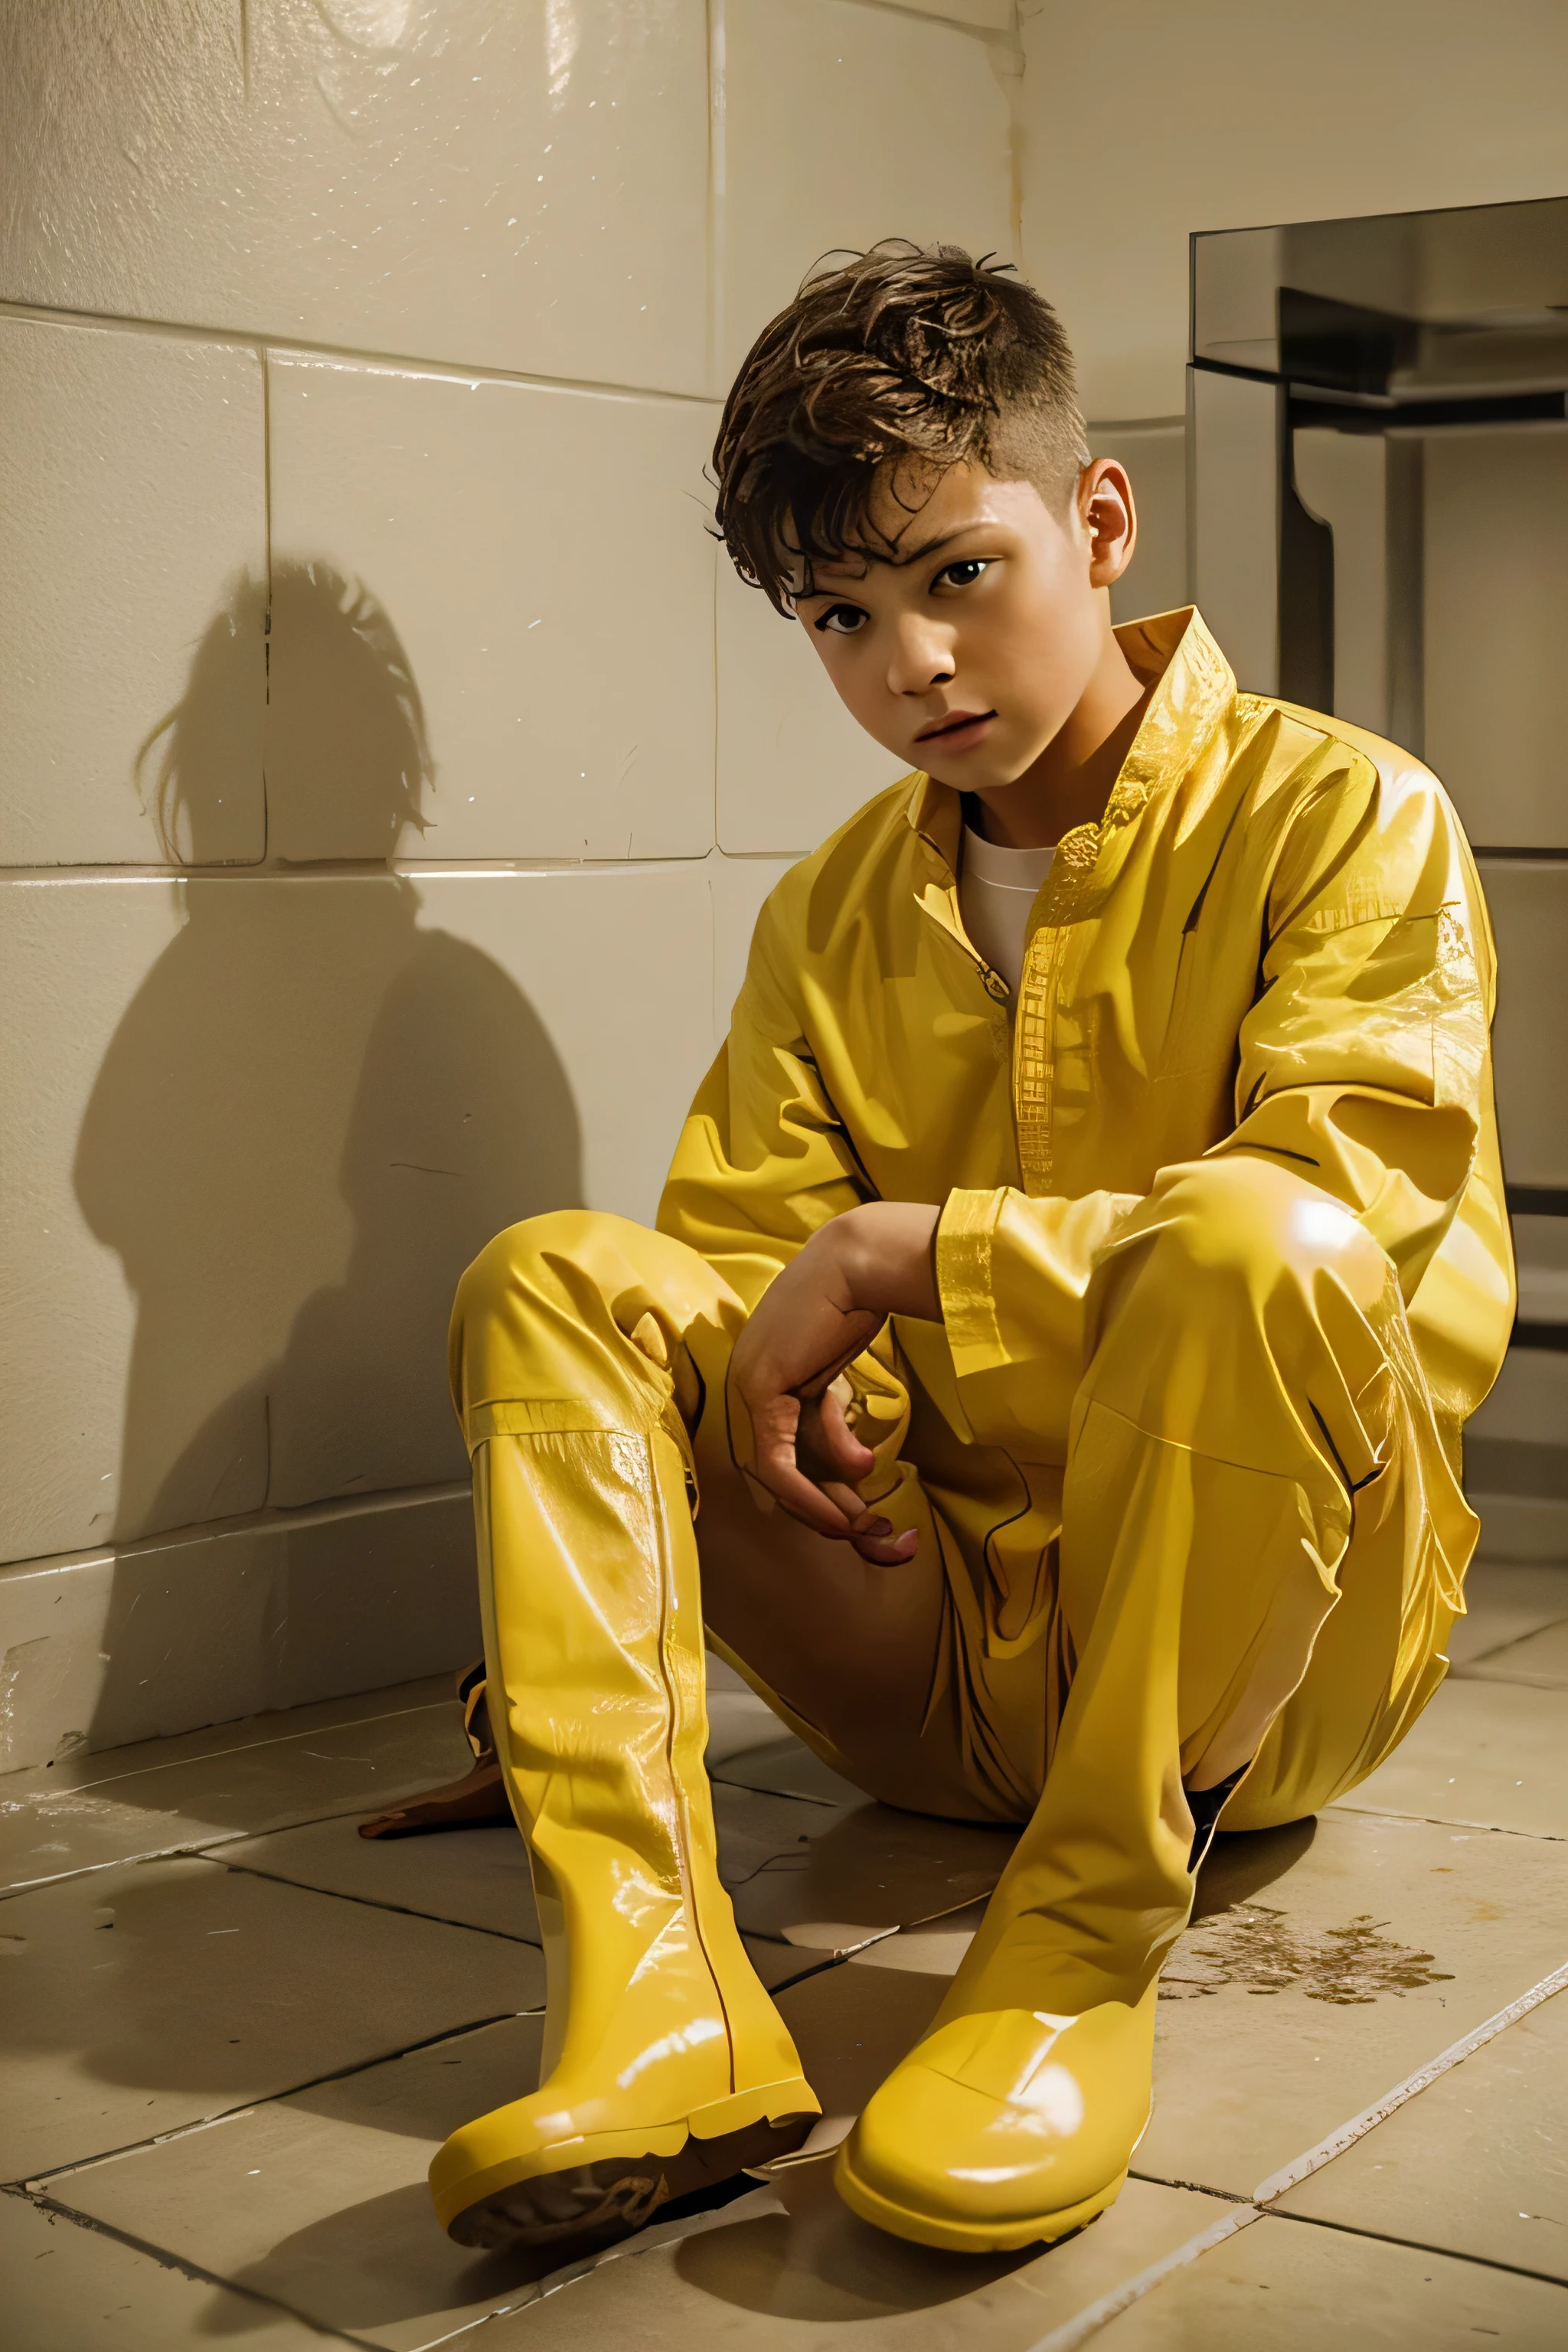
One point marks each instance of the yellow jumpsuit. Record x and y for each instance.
(1224, 1267)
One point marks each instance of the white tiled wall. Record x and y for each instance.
(359, 363)
(131, 498)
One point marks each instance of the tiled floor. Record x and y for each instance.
(237, 2031)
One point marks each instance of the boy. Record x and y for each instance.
(1085, 1250)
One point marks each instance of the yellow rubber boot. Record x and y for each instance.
(666, 2063)
(1205, 1516)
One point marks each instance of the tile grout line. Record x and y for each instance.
(192, 1852)
(1359, 2126)
(293, 347)
(1420, 2246)
(221, 1755)
(1087, 2323)
(38, 2183)
(1445, 1821)
(181, 2265)
(367, 1902)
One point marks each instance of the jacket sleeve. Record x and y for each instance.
(1362, 1066)
(763, 1159)
(1363, 1062)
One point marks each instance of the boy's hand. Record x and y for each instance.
(815, 1318)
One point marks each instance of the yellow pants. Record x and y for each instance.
(1259, 1553)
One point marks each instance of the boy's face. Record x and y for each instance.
(965, 646)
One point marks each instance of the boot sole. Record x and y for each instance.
(967, 2237)
(618, 2182)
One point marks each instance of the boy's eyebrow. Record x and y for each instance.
(896, 563)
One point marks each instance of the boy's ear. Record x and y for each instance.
(1108, 520)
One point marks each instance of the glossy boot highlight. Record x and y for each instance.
(666, 2064)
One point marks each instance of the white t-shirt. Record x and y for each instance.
(996, 888)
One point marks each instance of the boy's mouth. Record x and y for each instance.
(956, 733)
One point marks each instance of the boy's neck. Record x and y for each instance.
(1071, 781)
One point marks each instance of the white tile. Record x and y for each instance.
(67, 2284)
(1495, 608)
(1540, 1660)
(844, 124)
(1482, 2146)
(1523, 1528)
(520, 187)
(131, 509)
(615, 966)
(271, 1121)
(541, 561)
(472, 1878)
(739, 886)
(153, 1994)
(1324, 2285)
(1527, 1406)
(321, 2201)
(1492, 1753)
(991, 15)
(155, 1639)
(1505, 1602)
(1528, 899)
(829, 1878)
(198, 1789)
(1327, 1962)
(791, 2268)
(792, 764)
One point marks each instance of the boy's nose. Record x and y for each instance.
(922, 657)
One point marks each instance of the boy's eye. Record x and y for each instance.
(963, 574)
(841, 620)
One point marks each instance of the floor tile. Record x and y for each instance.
(1329, 1963)
(933, 1951)
(320, 2201)
(792, 2267)
(66, 2286)
(1281, 2282)
(1506, 1600)
(1487, 1752)
(788, 1769)
(866, 1869)
(1477, 2162)
(1540, 1660)
(151, 1994)
(472, 1878)
(53, 1822)
(738, 1723)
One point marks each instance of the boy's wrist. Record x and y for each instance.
(884, 1253)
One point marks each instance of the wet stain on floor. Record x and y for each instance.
(1262, 1952)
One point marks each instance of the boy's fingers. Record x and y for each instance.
(849, 1456)
(884, 1552)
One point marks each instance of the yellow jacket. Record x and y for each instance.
(1274, 941)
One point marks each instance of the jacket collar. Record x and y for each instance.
(1196, 687)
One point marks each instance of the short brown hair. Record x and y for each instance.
(909, 357)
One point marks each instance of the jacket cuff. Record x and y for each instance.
(964, 1238)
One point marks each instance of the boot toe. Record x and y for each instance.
(997, 2131)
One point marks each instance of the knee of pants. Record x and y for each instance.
(1215, 1239)
(577, 1304)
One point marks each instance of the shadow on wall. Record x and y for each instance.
(314, 1112)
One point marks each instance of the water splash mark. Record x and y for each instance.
(1262, 1952)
